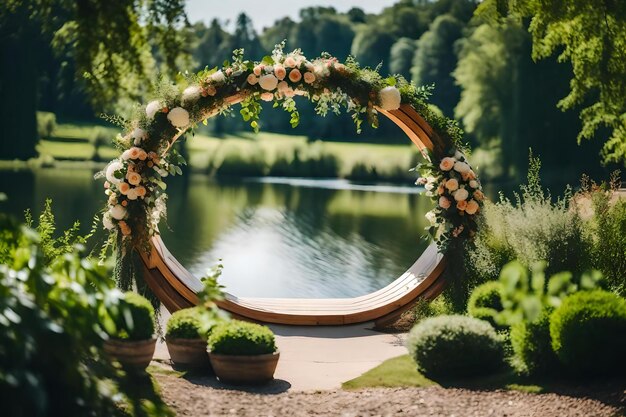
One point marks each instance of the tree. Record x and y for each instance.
(435, 59)
(371, 47)
(401, 57)
(211, 44)
(591, 35)
(110, 47)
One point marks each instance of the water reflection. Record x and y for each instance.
(276, 240)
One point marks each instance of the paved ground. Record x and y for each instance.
(321, 358)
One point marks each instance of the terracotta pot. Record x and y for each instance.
(236, 369)
(188, 353)
(131, 354)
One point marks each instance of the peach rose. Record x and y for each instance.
(252, 79)
(280, 72)
(295, 75)
(444, 203)
(472, 207)
(267, 96)
(125, 203)
(452, 184)
(446, 164)
(461, 205)
(124, 187)
(461, 194)
(133, 178)
(258, 70)
(282, 86)
(290, 62)
(141, 191)
(462, 167)
(132, 194)
(473, 184)
(478, 195)
(309, 77)
(441, 189)
(124, 228)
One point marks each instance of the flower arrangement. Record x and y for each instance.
(134, 181)
(454, 187)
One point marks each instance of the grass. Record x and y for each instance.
(402, 372)
(394, 372)
(206, 153)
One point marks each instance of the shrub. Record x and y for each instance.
(486, 302)
(532, 346)
(530, 228)
(241, 338)
(135, 318)
(185, 324)
(588, 332)
(430, 308)
(455, 346)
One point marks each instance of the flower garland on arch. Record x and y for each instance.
(135, 180)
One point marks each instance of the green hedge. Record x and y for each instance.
(486, 302)
(455, 346)
(532, 346)
(241, 338)
(588, 333)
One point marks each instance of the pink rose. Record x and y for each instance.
(290, 62)
(280, 72)
(252, 79)
(447, 164)
(444, 203)
(309, 77)
(295, 75)
(452, 184)
(472, 207)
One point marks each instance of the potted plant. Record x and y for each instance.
(186, 338)
(243, 353)
(132, 343)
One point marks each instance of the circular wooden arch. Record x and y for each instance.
(176, 287)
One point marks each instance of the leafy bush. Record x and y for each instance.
(53, 313)
(186, 324)
(455, 346)
(241, 338)
(46, 124)
(135, 319)
(588, 333)
(486, 302)
(532, 346)
(430, 308)
(531, 228)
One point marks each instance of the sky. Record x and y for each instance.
(265, 12)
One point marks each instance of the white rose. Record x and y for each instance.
(152, 108)
(461, 194)
(178, 117)
(118, 212)
(107, 222)
(462, 167)
(191, 93)
(431, 217)
(132, 194)
(110, 171)
(138, 135)
(459, 155)
(473, 184)
(218, 77)
(390, 98)
(268, 82)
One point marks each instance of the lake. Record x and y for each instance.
(276, 237)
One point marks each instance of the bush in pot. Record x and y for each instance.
(132, 343)
(186, 336)
(242, 352)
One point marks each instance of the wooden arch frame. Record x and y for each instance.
(177, 288)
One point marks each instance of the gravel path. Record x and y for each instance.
(202, 397)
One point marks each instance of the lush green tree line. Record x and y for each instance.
(483, 63)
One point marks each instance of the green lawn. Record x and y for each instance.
(402, 372)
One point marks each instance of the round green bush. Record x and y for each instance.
(532, 346)
(135, 320)
(455, 346)
(241, 338)
(185, 324)
(486, 302)
(588, 333)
